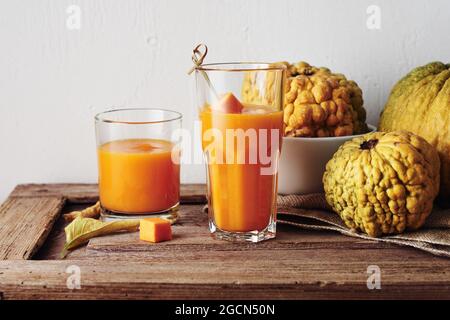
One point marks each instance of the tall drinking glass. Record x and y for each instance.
(240, 106)
(138, 163)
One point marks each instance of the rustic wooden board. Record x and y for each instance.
(28, 215)
(262, 274)
(298, 264)
(25, 224)
(88, 193)
(190, 234)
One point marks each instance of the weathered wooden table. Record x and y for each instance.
(298, 264)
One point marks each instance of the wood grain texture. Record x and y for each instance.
(298, 264)
(53, 246)
(191, 234)
(76, 193)
(25, 224)
(263, 274)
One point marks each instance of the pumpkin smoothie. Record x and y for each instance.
(138, 176)
(242, 144)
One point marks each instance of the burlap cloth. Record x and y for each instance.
(312, 212)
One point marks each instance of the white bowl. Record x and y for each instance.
(303, 161)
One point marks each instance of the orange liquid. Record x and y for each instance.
(242, 199)
(138, 176)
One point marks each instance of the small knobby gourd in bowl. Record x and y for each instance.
(317, 102)
(420, 103)
(321, 103)
(383, 183)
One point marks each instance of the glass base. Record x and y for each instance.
(249, 236)
(110, 215)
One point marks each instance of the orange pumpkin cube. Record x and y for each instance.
(155, 230)
(228, 104)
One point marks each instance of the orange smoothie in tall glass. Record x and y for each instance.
(138, 176)
(242, 194)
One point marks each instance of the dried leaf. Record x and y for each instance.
(90, 212)
(80, 230)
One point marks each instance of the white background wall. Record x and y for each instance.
(136, 53)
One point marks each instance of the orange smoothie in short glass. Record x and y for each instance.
(242, 197)
(138, 176)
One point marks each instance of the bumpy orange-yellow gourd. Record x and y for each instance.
(318, 103)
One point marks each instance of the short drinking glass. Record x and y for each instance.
(138, 162)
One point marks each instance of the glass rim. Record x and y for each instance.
(100, 116)
(257, 66)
